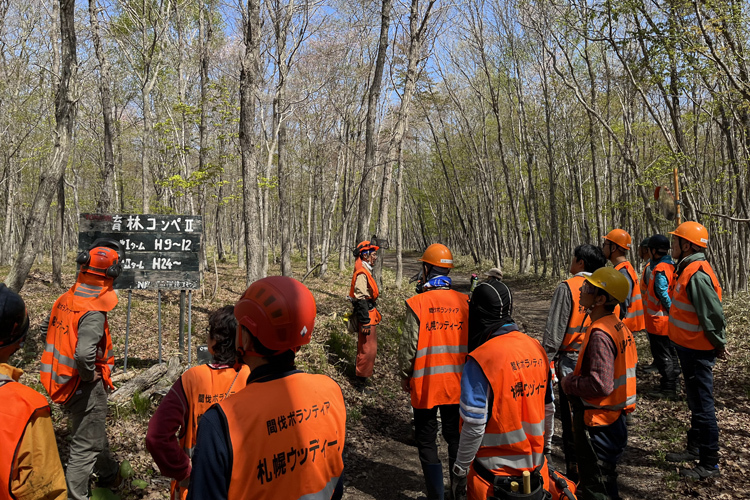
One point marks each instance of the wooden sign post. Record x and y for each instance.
(162, 252)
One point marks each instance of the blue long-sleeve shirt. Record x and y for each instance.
(476, 404)
(661, 283)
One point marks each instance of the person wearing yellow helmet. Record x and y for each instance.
(615, 247)
(697, 328)
(563, 335)
(602, 388)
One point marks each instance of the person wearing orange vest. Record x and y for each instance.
(77, 364)
(505, 387)
(644, 252)
(602, 388)
(363, 294)
(698, 329)
(282, 436)
(431, 357)
(173, 428)
(30, 467)
(657, 318)
(563, 336)
(615, 247)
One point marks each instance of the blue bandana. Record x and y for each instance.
(438, 282)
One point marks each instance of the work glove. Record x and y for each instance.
(365, 329)
(458, 488)
(361, 311)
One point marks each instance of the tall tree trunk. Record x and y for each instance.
(107, 192)
(249, 83)
(368, 172)
(49, 179)
(58, 244)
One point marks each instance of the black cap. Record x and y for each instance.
(14, 321)
(644, 243)
(658, 242)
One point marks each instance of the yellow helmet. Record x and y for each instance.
(611, 281)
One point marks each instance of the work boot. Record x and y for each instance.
(689, 455)
(701, 471)
(664, 394)
(433, 478)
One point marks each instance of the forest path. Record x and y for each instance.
(382, 461)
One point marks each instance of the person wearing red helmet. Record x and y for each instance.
(30, 465)
(77, 364)
(363, 294)
(282, 436)
(697, 329)
(172, 429)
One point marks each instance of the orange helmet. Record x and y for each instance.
(619, 237)
(100, 260)
(279, 311)
(365, 246)
(438, 255)
(693, 232)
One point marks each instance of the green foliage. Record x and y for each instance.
(141, 404)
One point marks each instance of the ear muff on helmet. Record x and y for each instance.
(103, 258)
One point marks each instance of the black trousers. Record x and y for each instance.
(426, 427)
(666, 360)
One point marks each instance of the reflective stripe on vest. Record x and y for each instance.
(656, 319)
(684, 326)
(518, 462)
(19, 404)
(517, 370)
(58, 370)
(634, 319)
(286, 437)
(605, 410)
(203, 386)
(578, 320)
(443, 317)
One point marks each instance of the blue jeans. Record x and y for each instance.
(698, 370)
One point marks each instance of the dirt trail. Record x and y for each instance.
(382, 461)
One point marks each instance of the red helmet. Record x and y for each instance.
(279, 311)
(365, 246)
(102, 261)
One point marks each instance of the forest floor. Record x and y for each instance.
(381, 458)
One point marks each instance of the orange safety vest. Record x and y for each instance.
(607, 409)
(359, 268)
(578, 321)
(645, 278)
(203, 386)
(287, 438)
(59, 372)
(684, 328)
(19, 404)
(657, 316)
(634, 319)
(441, 348)
(517, 370)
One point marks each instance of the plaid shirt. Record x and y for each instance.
(597, 369)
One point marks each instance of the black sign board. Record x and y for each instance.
(161, 251)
